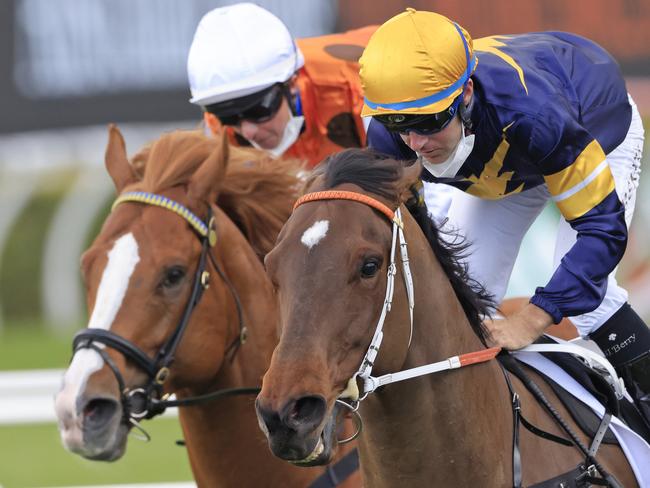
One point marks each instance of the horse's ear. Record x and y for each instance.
(314, 181)
(117, 164)
(410, 175)
(206, 181)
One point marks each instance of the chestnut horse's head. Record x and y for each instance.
(329, 268)
(144, 276)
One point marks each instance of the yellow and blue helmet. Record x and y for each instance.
(415, 63)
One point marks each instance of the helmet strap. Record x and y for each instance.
(292, 98)
(465, 111)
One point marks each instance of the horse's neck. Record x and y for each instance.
(225, 444)
(438, 427)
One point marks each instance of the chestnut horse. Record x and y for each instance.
(334, 269)
(151, 333)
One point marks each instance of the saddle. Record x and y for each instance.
(596, 384)
(588, 473)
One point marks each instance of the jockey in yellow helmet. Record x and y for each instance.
(518, 121)
(298, 98)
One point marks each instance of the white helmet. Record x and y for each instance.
(239, 50)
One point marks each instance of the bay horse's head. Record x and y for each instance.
(329, 269)
(156, 254)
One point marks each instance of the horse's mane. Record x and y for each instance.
(257, 192)
(258, 195)
(379, 174)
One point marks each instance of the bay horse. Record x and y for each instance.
(336, 269)
(193, 218)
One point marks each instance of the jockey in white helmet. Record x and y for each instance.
(248, 74)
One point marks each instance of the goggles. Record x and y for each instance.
(424, 124)
(257, 108)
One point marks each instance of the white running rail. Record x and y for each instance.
(27, 397)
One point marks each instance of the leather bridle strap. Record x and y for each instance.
(337, 473)
(365, 369)
(208, 397)
(157, 369)
(371, 383)
(243, 330)
(84, 337)
(166, 353)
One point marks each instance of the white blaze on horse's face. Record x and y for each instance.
(115, 281)
(122, 259)
(315, 233)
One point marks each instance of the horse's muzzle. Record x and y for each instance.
(93, 428)
(296, 432)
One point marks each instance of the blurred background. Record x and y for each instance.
(70, 67)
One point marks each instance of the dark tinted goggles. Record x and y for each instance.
(257, 108)
(425, 124)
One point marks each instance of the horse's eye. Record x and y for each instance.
(369, 268)
(173, 276)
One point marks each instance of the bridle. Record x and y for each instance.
(351, 397)
(371, 383)
(148, 401)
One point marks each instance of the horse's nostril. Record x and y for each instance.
(306, 413)
(269, 419)
(99, 411)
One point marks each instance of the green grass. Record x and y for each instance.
(32, 456)
(29, 345)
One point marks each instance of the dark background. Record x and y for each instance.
(153, 36)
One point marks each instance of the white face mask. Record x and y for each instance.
(289, 136)
(450, 167)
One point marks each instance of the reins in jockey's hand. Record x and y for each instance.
(148, 401)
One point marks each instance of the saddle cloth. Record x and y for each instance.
(636, 449)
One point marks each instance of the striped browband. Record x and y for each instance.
(160, 201)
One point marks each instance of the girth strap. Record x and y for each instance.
(516, 416)
(337, 473)
(579, 477)
(594, 466)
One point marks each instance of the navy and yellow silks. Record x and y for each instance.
(547, 108)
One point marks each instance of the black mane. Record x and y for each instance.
(378, 173)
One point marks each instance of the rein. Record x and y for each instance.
(149, 401)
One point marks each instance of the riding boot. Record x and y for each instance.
(625, 340)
